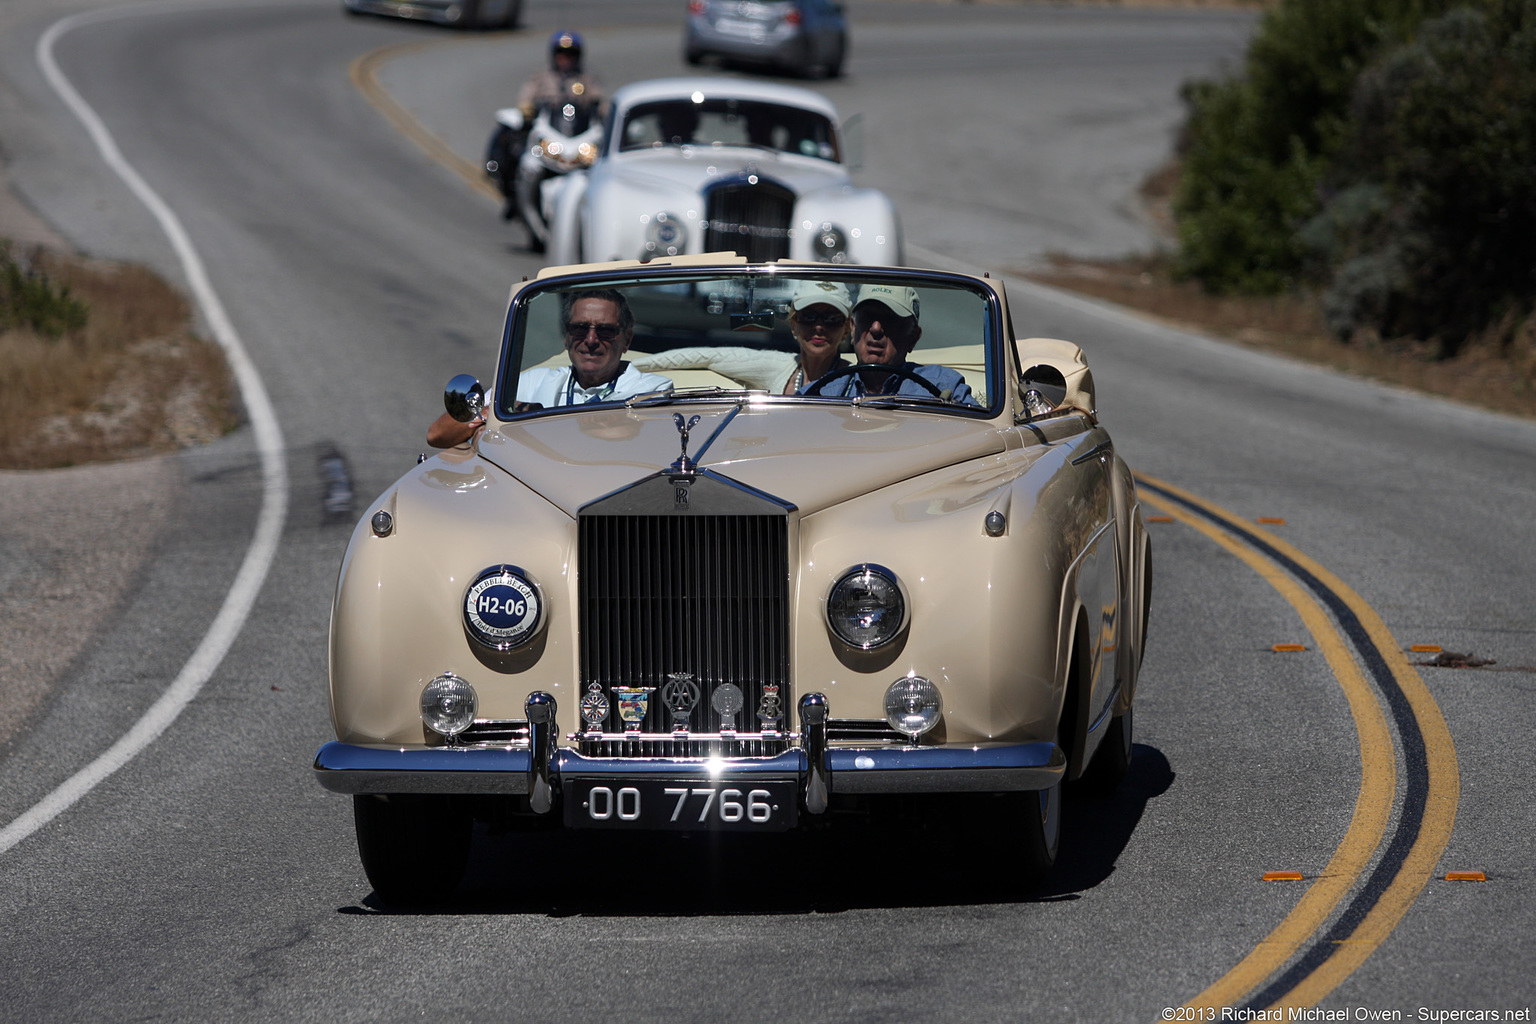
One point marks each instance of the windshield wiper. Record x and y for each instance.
(889, 400)
(651, 398)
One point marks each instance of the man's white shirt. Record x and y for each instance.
(552, 386)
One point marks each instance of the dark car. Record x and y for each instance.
(466, 14)
(807, 37)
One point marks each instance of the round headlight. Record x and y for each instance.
(448, 704)
(866, 607)
(830, 244)
(503, 608)
(665, 235)
(913, 705)
(586, 153)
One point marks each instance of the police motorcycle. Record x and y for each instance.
(525, 158)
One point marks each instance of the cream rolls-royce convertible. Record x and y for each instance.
(738, 546)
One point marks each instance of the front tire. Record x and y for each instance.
(1112, 760)
(414, 848)
(1039, 831)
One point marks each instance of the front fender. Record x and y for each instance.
(397, 619)
(866, 216)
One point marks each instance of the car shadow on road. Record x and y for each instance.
(850, 864)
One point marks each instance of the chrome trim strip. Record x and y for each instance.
(1102, 448)
(813, 729)
(978, 768)
(354, 769)
(724, 422)
(789, 764)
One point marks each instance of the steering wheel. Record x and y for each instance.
(815, 386)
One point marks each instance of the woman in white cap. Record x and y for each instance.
(819, 320)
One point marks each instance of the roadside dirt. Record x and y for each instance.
(73, 541)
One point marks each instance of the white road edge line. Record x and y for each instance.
(252, 574)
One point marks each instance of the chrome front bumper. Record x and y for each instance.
(536, 770)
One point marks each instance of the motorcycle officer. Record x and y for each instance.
(563, 82)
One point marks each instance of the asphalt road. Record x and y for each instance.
(210, 878)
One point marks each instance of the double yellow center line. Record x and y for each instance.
(1373, 877)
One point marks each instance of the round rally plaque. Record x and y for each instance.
(502, 608)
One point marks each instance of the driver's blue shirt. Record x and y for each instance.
(941, 377)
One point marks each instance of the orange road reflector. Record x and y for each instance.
(1280, 648)
(1425, 648)
(1274, 520)
(1282, 876)
(1159, 519)
(1465, 876)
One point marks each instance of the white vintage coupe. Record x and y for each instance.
(694, 165)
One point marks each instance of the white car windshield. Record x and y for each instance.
(729, 122)
(923, 341)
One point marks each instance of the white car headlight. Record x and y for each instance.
(585, 154)
(665, 235)
(866, 607)
(913, 705)
(448, 704)
(830, 243)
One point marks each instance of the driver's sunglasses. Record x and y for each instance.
(605, 332)
(831, 321)
(899, 326)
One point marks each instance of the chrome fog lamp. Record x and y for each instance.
(830, 244)
(913, 706)
(448, 705)
(664, 235)
(866, 607)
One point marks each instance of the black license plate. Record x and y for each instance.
(712, 805)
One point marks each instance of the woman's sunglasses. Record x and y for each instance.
(831, 321)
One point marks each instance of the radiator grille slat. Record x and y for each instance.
(705, 595)
(753, 219)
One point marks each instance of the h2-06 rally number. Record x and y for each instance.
(648, 804)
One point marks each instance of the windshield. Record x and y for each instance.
(729, 122)
(569, 118)
(802, 335)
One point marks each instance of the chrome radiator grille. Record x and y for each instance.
(701, 595)
(751, 218)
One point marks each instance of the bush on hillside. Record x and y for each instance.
(1257, 145)
(1433, 233)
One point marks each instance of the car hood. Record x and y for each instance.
(810, 455)
(677, 168)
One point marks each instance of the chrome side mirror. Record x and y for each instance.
(1043, 389)
(464, 398)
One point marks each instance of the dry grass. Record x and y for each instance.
(134, 381)
(1496, 371)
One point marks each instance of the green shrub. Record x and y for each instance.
(1257, 146)
(28, 300)
(1443, 133)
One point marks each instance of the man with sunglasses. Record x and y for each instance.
(598, 328)
(885, 330)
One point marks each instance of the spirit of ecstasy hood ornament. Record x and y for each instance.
(684, 428)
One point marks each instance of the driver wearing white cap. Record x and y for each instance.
(885, 330)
